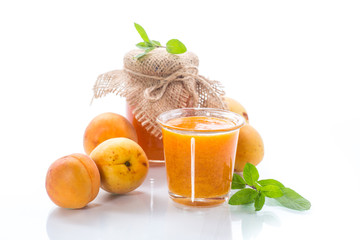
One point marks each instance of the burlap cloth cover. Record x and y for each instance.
(159, 82)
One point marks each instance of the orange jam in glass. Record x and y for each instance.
(200, 152)
(152, 146)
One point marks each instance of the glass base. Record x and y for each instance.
(199, 202)
(154, 162)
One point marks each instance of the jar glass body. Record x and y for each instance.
(152, 146)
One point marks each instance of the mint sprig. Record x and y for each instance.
(253, 190)
(173, 46)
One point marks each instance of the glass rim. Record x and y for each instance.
(235, 118)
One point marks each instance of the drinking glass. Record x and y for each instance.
(200, 147)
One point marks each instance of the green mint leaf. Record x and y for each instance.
(266, 182)
(142, 32)
(259, 201)
(293, 200)
(237, 182)
(272, 191)
(144, 45)
(243, 196)
(156, 43)
(257, 186)
(251, 174)
(140, 55)
(147, 50)
(174, 46)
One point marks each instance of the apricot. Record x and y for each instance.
(73, 181)
(122, 164)
(250, 148)
(105, 126)
(236, 107)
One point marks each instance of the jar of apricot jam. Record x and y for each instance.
(152, 146)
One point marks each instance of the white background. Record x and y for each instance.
(294, 65)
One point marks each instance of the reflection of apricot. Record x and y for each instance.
(106, 126)
(73, 181)
(122, 164)
(250, 148)
(236, 107)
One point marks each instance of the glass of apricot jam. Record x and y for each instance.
(200, 147)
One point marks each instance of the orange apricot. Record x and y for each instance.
(73, 181)
(250, 148)
(122, 163)
(106, 126)
(236, 107)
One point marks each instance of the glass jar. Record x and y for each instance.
(152, 145)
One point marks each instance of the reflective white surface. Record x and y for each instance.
(146, 213)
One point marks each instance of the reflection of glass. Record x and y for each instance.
(152, 146)
(200, 147)
(197, 223)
